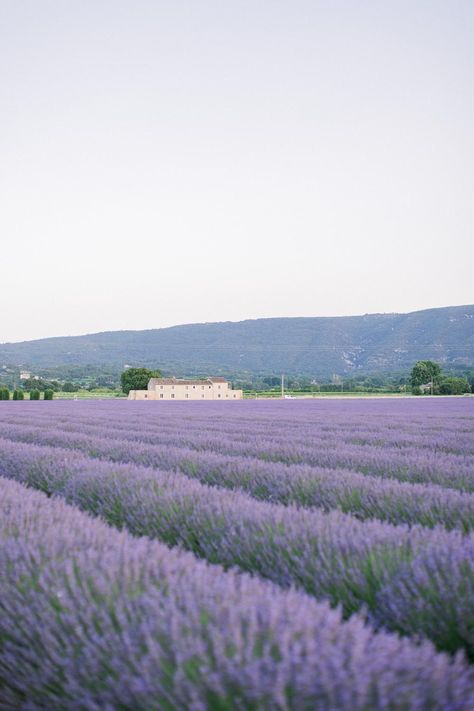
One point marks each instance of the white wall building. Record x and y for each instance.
(174, 389)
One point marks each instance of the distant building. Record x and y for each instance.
(174, 389)
(25, 375)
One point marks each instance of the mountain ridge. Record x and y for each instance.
(311, 345)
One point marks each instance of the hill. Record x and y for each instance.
(317, 346)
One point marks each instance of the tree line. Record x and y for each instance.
(427, 377)
(18, 394)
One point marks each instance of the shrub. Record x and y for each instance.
(4, 394)
(35, 395)
(454, 386)
(130, 624)
(48, 394)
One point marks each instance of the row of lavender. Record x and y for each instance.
(364, 496)
(434, 450)
(417, 581)
(442, 424)
(94, 619)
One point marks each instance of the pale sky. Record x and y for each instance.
(177, 162)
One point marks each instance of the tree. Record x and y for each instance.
(18, 395)
(48, 394)
(35, 394)
(272, 381)
(69, 387)
(425, 371)
(4, 394)
(454, 386)
(137, 378)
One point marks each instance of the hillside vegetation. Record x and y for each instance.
(317, 346)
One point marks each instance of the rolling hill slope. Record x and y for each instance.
(318, 346)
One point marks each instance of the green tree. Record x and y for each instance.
(48, 394)
(35, 394)
(137, 378)
(454, 386)
(18, 394)
(425, 371)
(69, 387)
(4, 394)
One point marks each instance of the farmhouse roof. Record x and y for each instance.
(177, 381)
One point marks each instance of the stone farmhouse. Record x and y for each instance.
(174, 389)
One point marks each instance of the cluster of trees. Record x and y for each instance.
(428, 377)
(41, 384)
(425, 377)
(62, 378)
(17, 394)
(137, 378)
(20, 395)
(382, 382)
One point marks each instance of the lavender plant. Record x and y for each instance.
(329, 555)
(94, 619)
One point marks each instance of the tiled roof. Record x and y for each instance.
(176, 381)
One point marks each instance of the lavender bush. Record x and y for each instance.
(92, 619)
(386, 499)
(350, 510)
(332, 556)
(438, 450)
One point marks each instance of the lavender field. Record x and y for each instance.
(248, 555)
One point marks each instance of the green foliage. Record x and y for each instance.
(314, 347)
(35, 394)
(425, 371)
(69, 387)
(18, 394)
(4, 394)
(48, 394)
(453, 386)
(39, 384)
(272, 381)
(137, 378)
